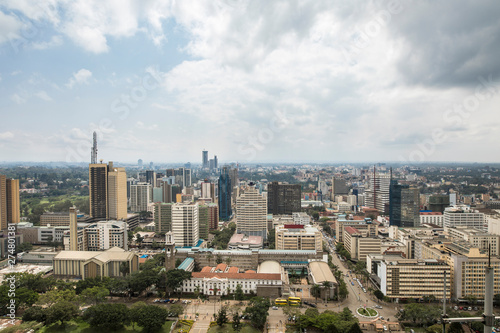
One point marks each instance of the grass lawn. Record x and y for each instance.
(367, 312)
(227, 328)
(184, 326)
(83, 327)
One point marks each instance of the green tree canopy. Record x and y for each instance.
(107, 316)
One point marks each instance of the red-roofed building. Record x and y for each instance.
(213, 283)
(436, 218)
(220, 268)
(206, 269)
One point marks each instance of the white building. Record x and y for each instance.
(251, 213)
(436, 218)
(300, 218)
(140, 197)
(463, 216)
(185, 224)
(99, 236)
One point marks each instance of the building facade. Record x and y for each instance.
(140, 197)
(251, 213)
(224, 191)
(185, 224)
(10, 208)
(298, 237)
(283, 198)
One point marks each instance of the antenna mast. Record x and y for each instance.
(93, 155)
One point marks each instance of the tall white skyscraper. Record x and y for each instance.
(185, 224)
(251, 213)
(140, 197)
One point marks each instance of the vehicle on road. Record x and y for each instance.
(280, 301)
(275, 307)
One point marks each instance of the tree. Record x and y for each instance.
(107, 316)
(209, 257)
(176, 277)
(55, 296)
(125, 268)
(228, 261)
(258, 310)
(221, 317)
(315, 291)
(35, 313)
(176, 309)
(218, 259)
(95, 295)
(150, 317)
(455, 328)
(326, 285)
(236, 322)
(355, 328)
(379, 294)
(61, 312)
(178, 262)
(238, 293)
(24, 247)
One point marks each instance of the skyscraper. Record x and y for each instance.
(251, 213)
(404, 205)
(377, 194)
(224, 199)
(163, 217)
(107, 191)
(117, 193)
(185, 224)
(339, 187)
(98, 190)
(204, 159)
(10, 211)
(140, 197)
(283, 198)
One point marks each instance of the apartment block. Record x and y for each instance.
(298, 237)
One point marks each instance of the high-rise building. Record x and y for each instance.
(204, 159)
(213, 216)
(251, 213)
(216, 162)
(463, 215)
(208, 191)
(203, 218)
(140, 163)
(185, 224)
(298, 237)
(339, 187)
(98, 190)
(438, 202)
(10, 211)
(166, 192)
(377, 194)
(117, 193)
(107, 191)
(404, 205)
(140, 197)
(283, 198)
(97, 236)
(163, 217)
(151, 177)
(224, 199)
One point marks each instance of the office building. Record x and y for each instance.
(204, 223)
(107, 191)
(140, 197)
(204, 159)
(298, 237)
(377, 194)
(10, 209)
(339, 187)
(283, 198)
(224, 199)
(163, 217)
(413, 278)
(151, 177)
(404, 204)
(97, 236)
(185, 224)
(438, 202)
(359, 244)
(431, 218)
(208, 191)
(251, 213)
(464, 216)
(476, 238)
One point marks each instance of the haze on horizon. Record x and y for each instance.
(250, 81)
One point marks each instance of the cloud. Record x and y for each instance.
(6, 135)
(80, 77)
(44, 96)
(10, 27)
(54, 41)
(142, 126)
(18, 99)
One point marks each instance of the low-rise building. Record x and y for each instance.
(93, 264)
(298, 237)
(244, 242)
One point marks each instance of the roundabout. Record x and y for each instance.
(367, 312)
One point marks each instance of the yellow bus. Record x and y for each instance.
(280, 301)
(294, 300)
(294, 303)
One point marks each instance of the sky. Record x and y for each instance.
(250, 81)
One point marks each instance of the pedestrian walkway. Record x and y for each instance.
(200, 326)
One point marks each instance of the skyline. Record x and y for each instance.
(251, 82)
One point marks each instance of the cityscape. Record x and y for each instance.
(245, 166)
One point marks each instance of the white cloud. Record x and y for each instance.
(142, 126)
(10, 27)
(44, 96)
(18, 99)
(80, 77)
(54, 41)
(6, 135)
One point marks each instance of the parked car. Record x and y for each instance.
(470, 308)
(455, 308)
(378, 306)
